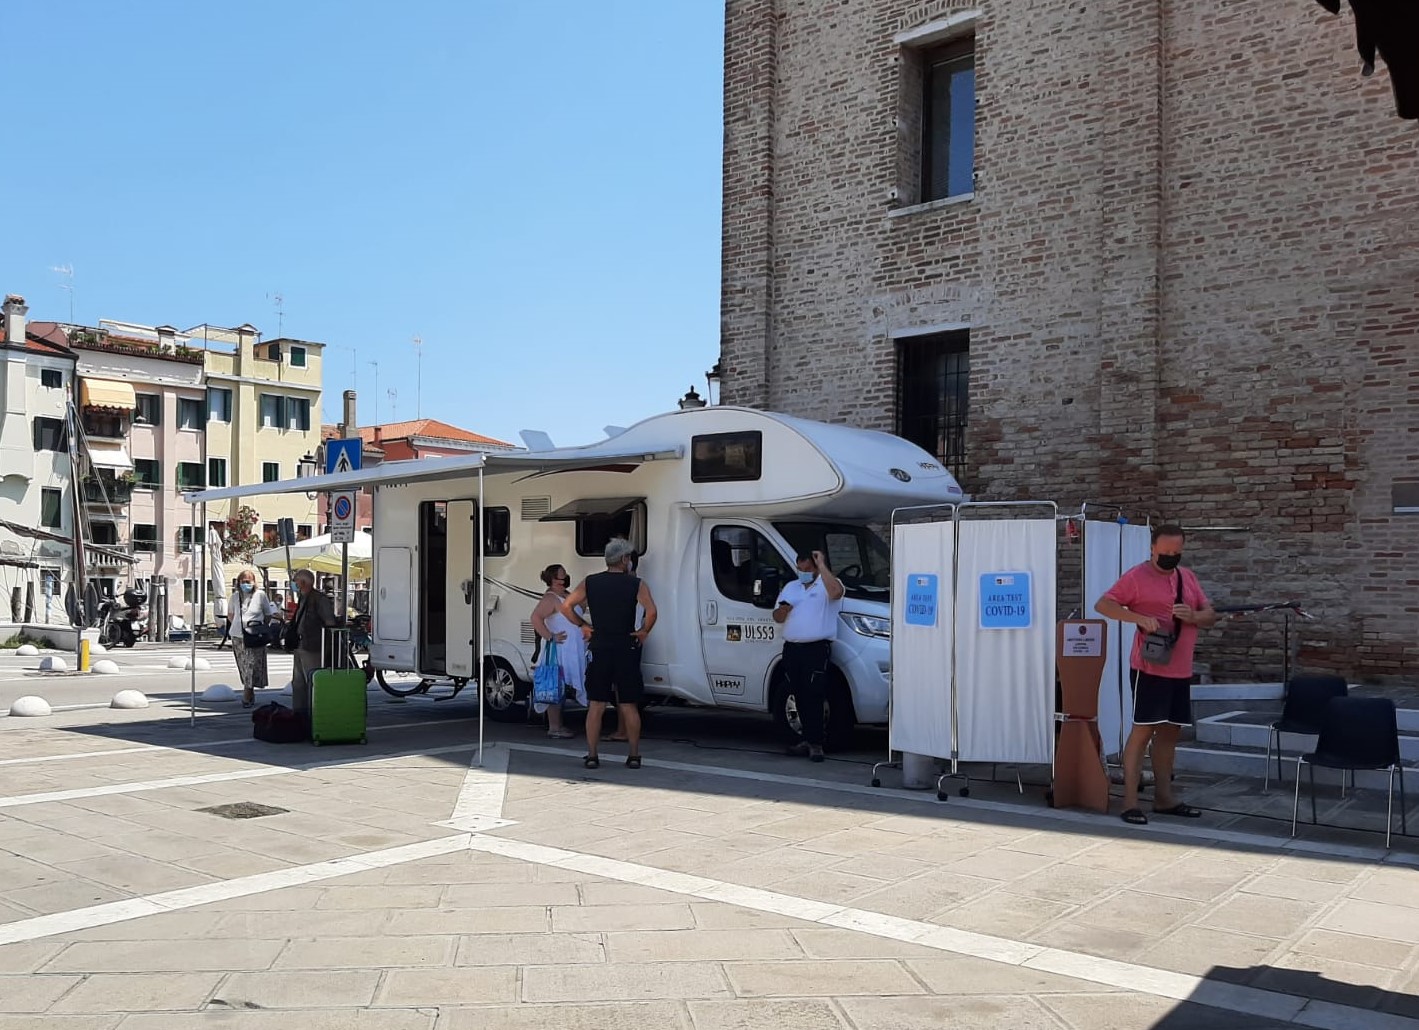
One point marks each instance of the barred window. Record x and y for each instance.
(933, 380)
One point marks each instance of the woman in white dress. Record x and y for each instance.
(552, 626)
(249, 607)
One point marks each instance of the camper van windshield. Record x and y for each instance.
(857, 554)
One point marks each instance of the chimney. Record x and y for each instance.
(15, 312)
(350, 422)
(246, 348)
(167, 337)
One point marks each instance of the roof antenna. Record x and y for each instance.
(67, 271)
(419, 388)
(280, 303)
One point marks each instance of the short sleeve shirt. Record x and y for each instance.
(1146, 591)
(814, 615)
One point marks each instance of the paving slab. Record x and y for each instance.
(478, 939)
(646, 1015)
(297, 990)
(34, 993)
(139, 992)
(766, 1014)
(957, 1013)
(629, 981)
(822, 978)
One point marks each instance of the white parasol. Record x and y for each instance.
(321, 554)
(219, 586)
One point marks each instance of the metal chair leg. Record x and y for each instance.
(1403, 818)
(1312, 770)
(1389, 808)
(1266, 783)
(1296, 800)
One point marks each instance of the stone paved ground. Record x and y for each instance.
(711, 889)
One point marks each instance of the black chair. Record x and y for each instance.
(1356, 733)
(1303, 711)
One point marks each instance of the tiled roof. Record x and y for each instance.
(47, 338)
(428, 428)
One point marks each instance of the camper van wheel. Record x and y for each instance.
(840, 717)
(504, 696)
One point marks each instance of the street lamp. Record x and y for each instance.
(308, 465)
(691, 400)
(713, 379)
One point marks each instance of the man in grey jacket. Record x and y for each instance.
(314, 613)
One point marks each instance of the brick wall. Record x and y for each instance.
(1190, 268)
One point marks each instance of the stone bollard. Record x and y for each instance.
(30, 706)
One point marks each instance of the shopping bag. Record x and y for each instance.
(547, 677)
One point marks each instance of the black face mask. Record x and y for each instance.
(1168, 562)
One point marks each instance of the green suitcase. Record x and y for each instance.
(338, 706)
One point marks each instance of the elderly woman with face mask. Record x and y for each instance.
(249, 609)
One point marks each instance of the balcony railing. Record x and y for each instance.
(107, 491)
(100, 560)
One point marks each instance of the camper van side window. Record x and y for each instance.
(726, 457)
(741, 556)
(594, 532)
(497, 524)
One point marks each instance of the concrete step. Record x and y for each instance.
(1250, 730)
(1226, 760)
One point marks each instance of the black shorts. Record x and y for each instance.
(614, 674)
(1161, 699)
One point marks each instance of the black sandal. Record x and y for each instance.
(633, 762)
(1181, 811)
(591, 762)
(1134, 817)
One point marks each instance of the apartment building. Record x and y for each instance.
(263, 420)
(142, 406)
(36, 480)
(1158, 254)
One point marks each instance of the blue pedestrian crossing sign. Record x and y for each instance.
(342, 455)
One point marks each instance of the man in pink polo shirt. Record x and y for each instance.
(1159, 597)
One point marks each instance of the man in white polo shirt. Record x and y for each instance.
(808, 610)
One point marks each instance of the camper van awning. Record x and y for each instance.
(107, 393)
(463, 466)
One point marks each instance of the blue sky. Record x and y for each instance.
(533, 189)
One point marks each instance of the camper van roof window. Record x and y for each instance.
(592, 507)
(727, 457)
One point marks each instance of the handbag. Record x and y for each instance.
(255, 634)
(1158, 647)
(547, 677)
(291, 634)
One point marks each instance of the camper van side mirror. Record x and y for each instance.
(766, 588)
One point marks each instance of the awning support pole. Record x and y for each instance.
(482, 618)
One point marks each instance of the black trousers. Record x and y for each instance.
(805, 667)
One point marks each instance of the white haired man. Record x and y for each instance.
(314, 613)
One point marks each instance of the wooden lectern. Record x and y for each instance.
(1080, 778)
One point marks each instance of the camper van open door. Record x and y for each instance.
(461, 583)
(741, 573)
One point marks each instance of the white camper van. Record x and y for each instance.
(717, 502)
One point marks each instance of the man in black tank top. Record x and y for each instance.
(614, 674)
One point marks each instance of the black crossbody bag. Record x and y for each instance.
(1158, 647)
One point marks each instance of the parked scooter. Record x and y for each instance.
(123, 622)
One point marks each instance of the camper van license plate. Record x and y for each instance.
(752, 631)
